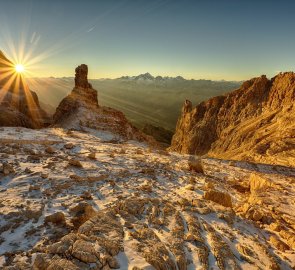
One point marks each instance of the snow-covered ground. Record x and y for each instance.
(125, 205)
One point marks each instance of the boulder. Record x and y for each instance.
(219, 197)
(75, 163)
(7, 168)
(56, 218)
(81, 213)
(195, 164)
(92, 155)
(69, 146)
(50, 150)
(258, 183)
(85, 252)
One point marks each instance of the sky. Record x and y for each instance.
(213, 39)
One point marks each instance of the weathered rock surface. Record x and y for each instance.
(219, 197)
(255, 122)
(19, 106)
(133, 207)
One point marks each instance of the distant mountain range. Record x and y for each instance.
(148, 77)
(144, 99)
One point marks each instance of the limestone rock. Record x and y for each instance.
(218, 197)
(75, 163)
(85, 252)
(255, 122)
(7, 168)
(44, 175)
(113, 263)
(56, 218)
(81, 213)
(50, 150)
(258, 182)
(92, 155)
(195, 164)
(69, 146)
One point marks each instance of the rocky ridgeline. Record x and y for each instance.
(19, 106)
(255, 122)
(76, 200)
(80, 110)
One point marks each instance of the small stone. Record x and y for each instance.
(113, 263)
(257, 215)
(190, 237)
(50, 150)
(92, 155)
(75, 163)
(195, 164)
(56, 218)
(69, 146)
(86, 196)
(218, 197)
(7, 169)
(36, 187)
(28, 170)
(44, 175)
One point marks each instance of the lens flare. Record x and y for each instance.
(19, 68)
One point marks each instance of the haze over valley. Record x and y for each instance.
(144, 99)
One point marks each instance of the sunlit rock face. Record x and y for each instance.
(255, 122)
(80, 110)
(19, 106)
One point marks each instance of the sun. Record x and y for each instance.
(19, 68)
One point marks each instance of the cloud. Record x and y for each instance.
(35, 38)
(89, 30)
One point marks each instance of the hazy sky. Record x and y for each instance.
(213, 39)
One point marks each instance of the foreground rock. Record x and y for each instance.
(219, 197)
(255, 122)
(133, 207)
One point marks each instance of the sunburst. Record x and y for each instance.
(19, 68)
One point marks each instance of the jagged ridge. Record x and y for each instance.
(255, 122)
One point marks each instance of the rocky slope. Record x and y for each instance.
(80, 110)
(80, 200)
(255, 122)
(18, 105)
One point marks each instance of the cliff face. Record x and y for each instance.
(255, 122)
(80, 110)
(19, 106)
